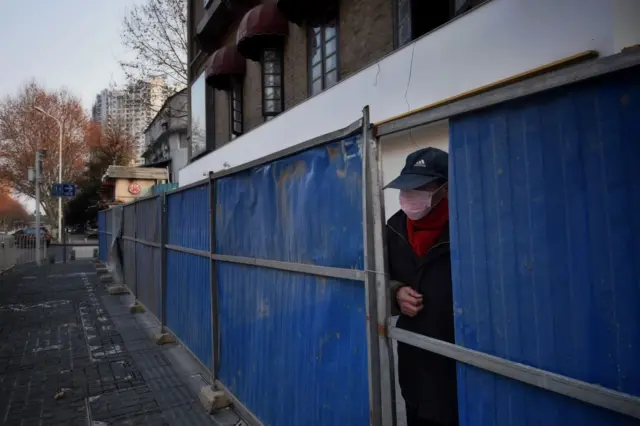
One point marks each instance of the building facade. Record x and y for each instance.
(264, 76)
(166, 137)
(134, 106)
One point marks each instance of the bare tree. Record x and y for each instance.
(156, 33)
(23, 131)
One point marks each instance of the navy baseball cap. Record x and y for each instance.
(422, 167)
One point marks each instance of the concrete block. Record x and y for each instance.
(213, 400)
(136, 308)
(101, 270)
(106, 279)
(117, 289)
(164, 338)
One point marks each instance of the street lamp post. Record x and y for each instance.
(59, 169)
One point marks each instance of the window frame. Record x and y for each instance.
(267, 115)
(468, 6)
(311, 35)
(236, 94)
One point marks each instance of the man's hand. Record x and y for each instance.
(409, 300)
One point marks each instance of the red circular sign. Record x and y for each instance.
(134, 188)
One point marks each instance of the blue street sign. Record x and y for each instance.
(63, 190)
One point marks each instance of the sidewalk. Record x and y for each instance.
(72, 355)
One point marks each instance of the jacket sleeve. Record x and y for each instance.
(394, 284)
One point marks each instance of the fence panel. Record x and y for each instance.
(148, 217)
(188, 275)
(545, 241)
(309, 331)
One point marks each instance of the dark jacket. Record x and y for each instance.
(427, 380)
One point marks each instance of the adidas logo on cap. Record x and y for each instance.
(420, 163)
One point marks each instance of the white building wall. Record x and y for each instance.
(500, 39)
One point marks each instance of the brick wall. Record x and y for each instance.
(365, 33)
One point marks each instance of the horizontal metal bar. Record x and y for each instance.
(243, 411)
(200, 182)
(550, 80)
(144, 242)
(303, 146)
(303, 268)
(188, 250)
(577, 389)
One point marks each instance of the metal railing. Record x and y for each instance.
(20, 249)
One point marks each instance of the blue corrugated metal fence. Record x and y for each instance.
(188, 274)
(545, 240)
(309, 332)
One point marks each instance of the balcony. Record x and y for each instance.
(497, 40)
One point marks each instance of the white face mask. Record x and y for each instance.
(416, 204)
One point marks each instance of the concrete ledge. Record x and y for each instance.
(136, 308)
(117, 289)
(164, 338)
(106, 279)
(213, 400)
(101, 270)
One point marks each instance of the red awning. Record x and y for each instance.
(224, 64)
(262, 27)
(309, 12)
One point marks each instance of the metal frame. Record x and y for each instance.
(213, 281)
(373, 354)
(380, 333)
(577, 389)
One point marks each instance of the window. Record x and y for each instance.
(323, 58)
(198, 116)
(235, 107)
(272, 94)
(414, 18)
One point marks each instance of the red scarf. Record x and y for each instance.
(423, 233)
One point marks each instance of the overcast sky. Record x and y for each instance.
(61, 43)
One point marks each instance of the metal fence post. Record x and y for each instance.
(383, 309)
(375, 388)
(163, 260)
(215, 326)
(135, 250)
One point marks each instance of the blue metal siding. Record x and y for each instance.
(188, 218)
(189, 302)
(294, 346)
(294, 210)
(545, 233)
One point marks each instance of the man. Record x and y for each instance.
(420, 269)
